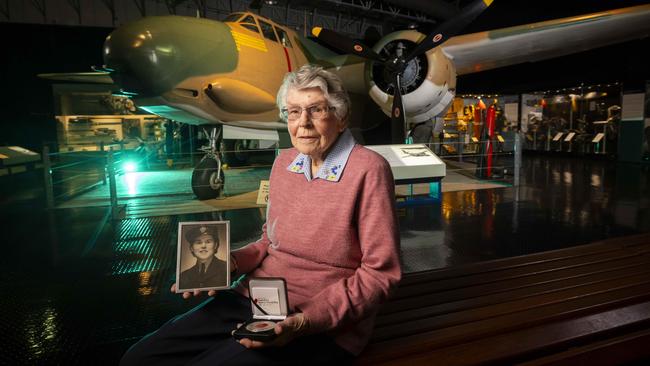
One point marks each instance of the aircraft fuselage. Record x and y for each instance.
(200, 71)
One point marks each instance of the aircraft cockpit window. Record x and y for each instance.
(267, 31)
(284, 37)
(232, 17)
(249, 23)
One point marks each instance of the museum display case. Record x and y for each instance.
(91, 118)
(582, 120)
(465, 127)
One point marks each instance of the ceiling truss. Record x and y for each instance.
(350, 17)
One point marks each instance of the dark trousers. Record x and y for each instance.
(202, 336)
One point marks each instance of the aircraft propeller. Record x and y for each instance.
(397, 63)
(346, 44)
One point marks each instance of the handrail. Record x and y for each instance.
(73, 164)
(109, 164)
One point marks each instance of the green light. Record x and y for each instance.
(132, 183)
(130, 166)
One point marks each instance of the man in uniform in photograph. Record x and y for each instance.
(209, 271)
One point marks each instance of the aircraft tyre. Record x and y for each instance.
(234, 152)
(207, 181)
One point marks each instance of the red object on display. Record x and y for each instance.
(491, 116)
(477, 115)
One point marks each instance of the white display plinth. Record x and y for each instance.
(413, 163)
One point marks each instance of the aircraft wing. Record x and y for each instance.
(544, 40)
(258, 125)
(93, 77)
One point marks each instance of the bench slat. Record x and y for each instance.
(618, 350)
(532, 269)
(430, 297)
(507, 347)
(477, 300)
(628, 242)
(563, 300)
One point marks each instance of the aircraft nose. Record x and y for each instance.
(152, 55)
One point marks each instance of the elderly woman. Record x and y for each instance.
(331, 232)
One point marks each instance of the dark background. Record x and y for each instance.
(27, 110)
(27, 117)
(624, 62)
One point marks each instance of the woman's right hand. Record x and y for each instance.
(188, 294)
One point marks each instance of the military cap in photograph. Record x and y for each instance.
(193, 233)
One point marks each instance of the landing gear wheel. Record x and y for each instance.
(207, 179)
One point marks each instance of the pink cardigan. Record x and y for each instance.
(335, 243)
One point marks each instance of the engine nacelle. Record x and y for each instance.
(428, 82)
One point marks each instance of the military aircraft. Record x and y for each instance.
(205, 72)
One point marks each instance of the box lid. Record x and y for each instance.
(268, 298)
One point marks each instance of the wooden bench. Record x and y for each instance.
(558, 307)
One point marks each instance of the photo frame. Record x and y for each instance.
(203, 256)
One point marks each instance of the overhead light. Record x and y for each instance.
(271, 2)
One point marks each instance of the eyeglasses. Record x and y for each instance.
(314, 112)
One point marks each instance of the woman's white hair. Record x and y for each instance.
(311, 76)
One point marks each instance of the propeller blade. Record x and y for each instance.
(397, 116)
(345, 44)
(450, 28)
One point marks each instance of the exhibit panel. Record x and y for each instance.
(632, 128)
(411, 162)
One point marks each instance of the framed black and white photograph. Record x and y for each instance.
(203, 260)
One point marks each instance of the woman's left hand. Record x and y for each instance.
(292, 327)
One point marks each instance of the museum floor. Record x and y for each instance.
(79, 288)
